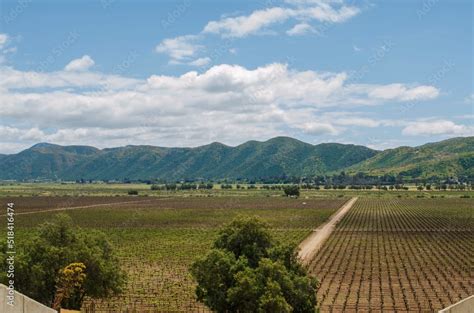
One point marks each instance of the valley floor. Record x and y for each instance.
(391, 251)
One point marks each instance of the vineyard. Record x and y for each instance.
(398, 255)
(158, 238)
(386, 254)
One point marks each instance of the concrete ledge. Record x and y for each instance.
(463, 306)
(23, 304)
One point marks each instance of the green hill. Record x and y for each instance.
(277, 157)
(451, 157)
(281, 156)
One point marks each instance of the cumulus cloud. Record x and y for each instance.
(81, 64)
(15, 79)
(437, 127)
(179, 48)
(229, 103)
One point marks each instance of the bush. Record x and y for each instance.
(226, 186)
(133, 192)
(156, 187)
(58, 244)
(170, 186)
(292, 190)
(247, 271)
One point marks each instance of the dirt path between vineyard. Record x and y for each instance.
(79, 207)
(311, 244)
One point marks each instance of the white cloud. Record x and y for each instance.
(3, 40)
(318, 128)
(400, 92)
(200, 62)
(325, 12)
(5, 47)
(179, 48)
(14, 79)
(437, 127)
(81, 64)
(357, 121)
(300, 29)
(182, 48)
(244, 25)
(229, 103)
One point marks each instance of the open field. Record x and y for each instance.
(391, 252)
(157, 239)
(398, 255)
(118, 190)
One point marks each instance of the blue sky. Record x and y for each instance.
(186, 73)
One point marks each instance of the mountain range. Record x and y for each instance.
(277, 157)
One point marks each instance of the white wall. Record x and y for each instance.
(23, 304)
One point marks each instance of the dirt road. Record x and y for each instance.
(311, 244)
(79, 207)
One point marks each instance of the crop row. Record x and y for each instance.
(159, 238)
(398, 256)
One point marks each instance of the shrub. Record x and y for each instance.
(248, 272)
(292, 190)
(156, 187)
(133, 192)
(40, 261)
(226, 186)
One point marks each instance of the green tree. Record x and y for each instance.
(247, 271)
(55, 245)
(292, 190)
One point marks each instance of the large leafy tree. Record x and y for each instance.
(55, 245)
(247, 271)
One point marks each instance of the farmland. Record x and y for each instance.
(398, 255)
(158, 238)
(393, 251)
